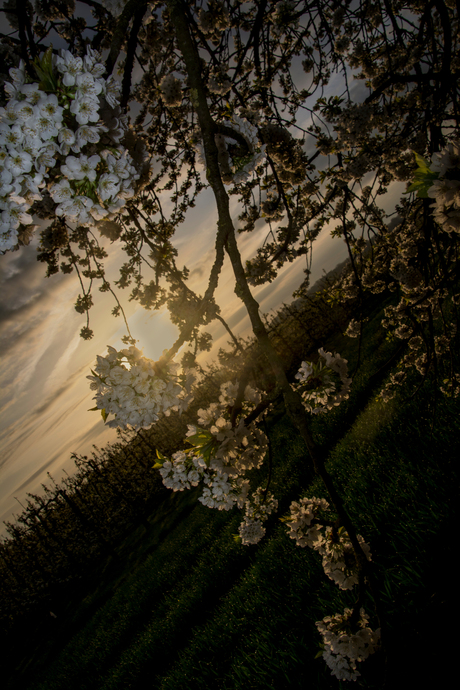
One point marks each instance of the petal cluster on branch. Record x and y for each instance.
(323, 386)
(224, 449)
(344, 646)
(54, 139)
(446, 189)
(258, 507)
(214, 20)
(236, 168)
(171, 90)
(334, 545)
(135, 389)
(116, 7)
(302, 521)
(339, 561)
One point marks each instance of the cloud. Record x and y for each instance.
(15, 435)
(19, 329)
(197, 272)
(40, 410)
(21, 280)
(26, 296)
(62, 456)
(63, 415)
(98, 430)
(37, 473)
(38, 420)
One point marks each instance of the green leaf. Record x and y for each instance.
(44, 70)
(200, 438)
(160, 455)
(104, 415)
(93, 409)
(158, 466)
(423, 177)
(286, 518)
(422, 163)
(208, 450)
(412, 188)
(422, 186)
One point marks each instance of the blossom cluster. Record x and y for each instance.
(214, 20)
(223, 451)
(286, 154)
(446, 189)
(241, 447)
(409, 257)
(183, 471)
(135, 389)
(339, 561)
(343, 647)
(218, 82)
(236, 169)
(257, 508)
(52, 136)
(283, 16)
(319, 384)
(353, 329)
(171, 90)
(115, 7)
(189, 469)
(302, 521)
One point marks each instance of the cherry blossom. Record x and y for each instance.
(34, 134)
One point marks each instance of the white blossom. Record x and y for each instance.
(339, 560)
(34, 134)
(251, 532)
(80, 168)
(77, 209)
(343, 647)
(67, 138)
(318, 383)
(69, 66)
(85, 110)
(61, 191)
(257, 507)
(302, 522)
(109, 186)
(133, 388)
(171, 90)
(88, 134)
(18, 162)
(88, 87)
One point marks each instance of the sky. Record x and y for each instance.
(44, 393)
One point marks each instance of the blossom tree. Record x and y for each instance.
(165, 99)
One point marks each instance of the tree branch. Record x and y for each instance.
(132, 7)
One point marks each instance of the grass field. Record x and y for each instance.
(183, 606)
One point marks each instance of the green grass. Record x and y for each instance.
(183, 606)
